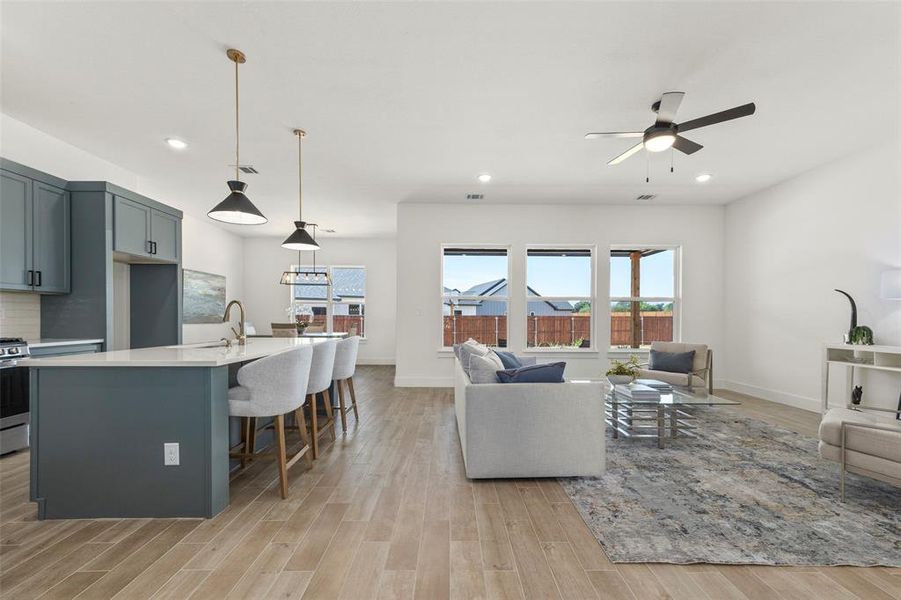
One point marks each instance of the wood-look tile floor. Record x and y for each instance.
(386, 512)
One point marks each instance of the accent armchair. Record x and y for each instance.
(702, 370)
(863, 442)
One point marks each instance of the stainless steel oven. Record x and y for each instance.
(14, 399)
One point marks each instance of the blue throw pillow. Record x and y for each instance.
(672, 362)
(543, 373)
(509, 359)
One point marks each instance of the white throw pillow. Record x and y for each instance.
(483, 369)
(469, 348)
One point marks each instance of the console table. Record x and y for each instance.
(855, 356)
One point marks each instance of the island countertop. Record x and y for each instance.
(209, 354)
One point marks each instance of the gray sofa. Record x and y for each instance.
(530, 429)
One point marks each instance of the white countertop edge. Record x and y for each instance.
(53, 342)
(191, 355)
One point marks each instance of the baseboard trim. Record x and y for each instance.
(802, 402)
(425, 382)
(375, 361)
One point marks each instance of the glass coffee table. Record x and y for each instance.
(671, 416)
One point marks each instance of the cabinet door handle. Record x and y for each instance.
(154, 247)
(30, 280)
(40, 279)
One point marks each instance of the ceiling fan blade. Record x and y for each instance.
(614, 134)
(685, 145)
(744, 110)
(626, 154)
(669, 104)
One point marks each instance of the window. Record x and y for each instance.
(474, 295)
(338, 307)
(643, 298)
(559, 288)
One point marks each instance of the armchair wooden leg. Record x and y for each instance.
(314, 425)
(353, 398)
(343, 409)
(282, 459)
(302, 430)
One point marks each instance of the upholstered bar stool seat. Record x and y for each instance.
(318, 385)
(273, 387)
(343, 374)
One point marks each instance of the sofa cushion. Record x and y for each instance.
(483, 369)
(467, 349)
(672, 362)
(543, 373)
(509, 359)
(680, 379)
(875, 442)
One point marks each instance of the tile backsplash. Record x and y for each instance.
(20, 315)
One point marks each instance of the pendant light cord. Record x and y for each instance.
(300, 177)
(237, 129)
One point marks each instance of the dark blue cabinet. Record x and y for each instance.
(34, 234)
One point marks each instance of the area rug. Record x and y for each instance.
(744, 492)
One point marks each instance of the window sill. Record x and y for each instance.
(626, 352)
(573, 351)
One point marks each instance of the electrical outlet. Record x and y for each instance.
(170, 454)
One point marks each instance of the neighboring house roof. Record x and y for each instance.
(347, 284)
(491, 288)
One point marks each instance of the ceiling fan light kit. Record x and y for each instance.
(237, 207)
(665, 132)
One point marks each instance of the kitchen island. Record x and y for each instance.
(99, 423)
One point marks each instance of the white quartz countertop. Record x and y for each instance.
(51, 342)
(210, 354)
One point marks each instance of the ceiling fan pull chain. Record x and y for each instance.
(647, 163)
(671, 153)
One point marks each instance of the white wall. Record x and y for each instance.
(787, 247)
(266, 299)
(423, 228)
(206, 247)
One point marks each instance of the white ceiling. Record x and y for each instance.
(409, 102)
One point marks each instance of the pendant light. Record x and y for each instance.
(311, 277)
(237, 207)
(300, 239)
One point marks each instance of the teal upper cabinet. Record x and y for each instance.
(34, 233)
(165, 233)
(51, 238)
(16, 272)
(141, 230)
(131, 230)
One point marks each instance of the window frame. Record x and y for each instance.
(507, 248)
(592, 299)
(329, 302)
(676, 299)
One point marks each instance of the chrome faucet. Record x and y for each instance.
(240, 337)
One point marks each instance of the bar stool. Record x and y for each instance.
(273, 386)
(345, 366)
(319, 383)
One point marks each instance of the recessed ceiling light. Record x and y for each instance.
(177, 143)
(703, 177)
(484, 177)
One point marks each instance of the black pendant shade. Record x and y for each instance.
(237, 208)
(300, 239)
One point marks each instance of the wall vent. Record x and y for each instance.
(249, 170)
(646, 197)
(475, 196)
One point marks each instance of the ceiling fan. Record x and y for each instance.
(665, 133)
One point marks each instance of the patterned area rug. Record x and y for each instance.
(744, 492)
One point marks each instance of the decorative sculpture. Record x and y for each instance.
(856, 395)
(857, 334)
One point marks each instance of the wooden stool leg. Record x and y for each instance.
(353, 398)
(251, 437)
(282, 460)
(245, 440)
(341, 403)
(327, 401)
(314, 425)
(302, 430)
